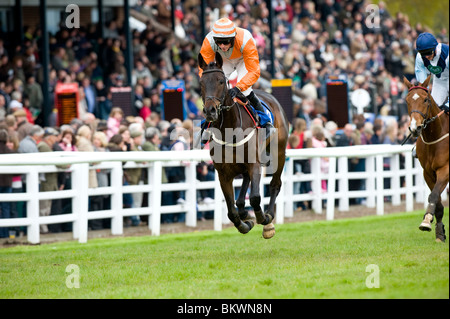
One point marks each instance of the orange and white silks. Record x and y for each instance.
(242, 57)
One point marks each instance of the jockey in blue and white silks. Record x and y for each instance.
(432, 57)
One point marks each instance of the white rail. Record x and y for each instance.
(30, 165)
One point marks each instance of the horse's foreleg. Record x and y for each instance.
(233, 215)
(255, 202)
(434, 203)
(240, 202)
(255, 197)
(275, 186)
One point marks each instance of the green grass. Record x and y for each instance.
(326, 259)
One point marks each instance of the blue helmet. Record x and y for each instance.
(425, 42)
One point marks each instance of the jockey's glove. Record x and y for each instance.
(234, 92)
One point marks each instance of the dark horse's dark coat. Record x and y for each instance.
(239, 148)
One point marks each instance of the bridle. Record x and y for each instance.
(425, 117)
(220, 106)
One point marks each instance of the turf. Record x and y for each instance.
(326, 259)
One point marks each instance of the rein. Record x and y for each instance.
(220, 107)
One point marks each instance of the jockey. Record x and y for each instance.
(433, 58)
(238, 50)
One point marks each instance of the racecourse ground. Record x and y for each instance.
(366, 257)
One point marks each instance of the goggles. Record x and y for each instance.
(426, 52)
(220, 41)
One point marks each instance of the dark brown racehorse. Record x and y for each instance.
(430, 125)
(237, 147)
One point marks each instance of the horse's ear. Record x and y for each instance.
(201, 61)
(219, 60)
(427, 81)
(407, 83)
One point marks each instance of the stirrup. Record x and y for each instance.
(270, 129)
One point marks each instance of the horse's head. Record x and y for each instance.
(213, 85)
(419, 103)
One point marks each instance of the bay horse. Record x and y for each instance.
(238, 147)
(430, 125)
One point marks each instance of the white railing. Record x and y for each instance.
(31, 165)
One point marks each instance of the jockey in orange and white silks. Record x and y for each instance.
(238, 50)
(433, 57)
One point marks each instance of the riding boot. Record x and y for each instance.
(256, 103)
(444, 107)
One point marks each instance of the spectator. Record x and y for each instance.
(84, 144)
(17, 208)
(30, 142)
(5, 184)
(116, 144)
(100, 202)
(135, 175)
(330, 133)
(50, 181)
(68, 141)
(318, 141)
(3, 110)
(11, 125)
(377, 137)
(114, 120)
(34, 92)
(176, 174)
(145, 111)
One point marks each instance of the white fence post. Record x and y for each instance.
(155, 203)
(370, 181)
(32, 188)
(395, 179)
(331, 188)
(289, 187)
(191, 194)
(380, 184)
(343, 184)
(316, 185)
(117, 198)
(409, 183)
(80, 202)
(218, 204)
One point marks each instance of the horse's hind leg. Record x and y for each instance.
(440, 231)
(255, 196)
(228, 192)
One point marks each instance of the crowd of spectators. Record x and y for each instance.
(312, 40)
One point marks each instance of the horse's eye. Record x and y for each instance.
(221, 81)
(426, 100)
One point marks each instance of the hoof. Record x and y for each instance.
(440, 233)
(246, 226)
(269, 231)
(426, 223)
